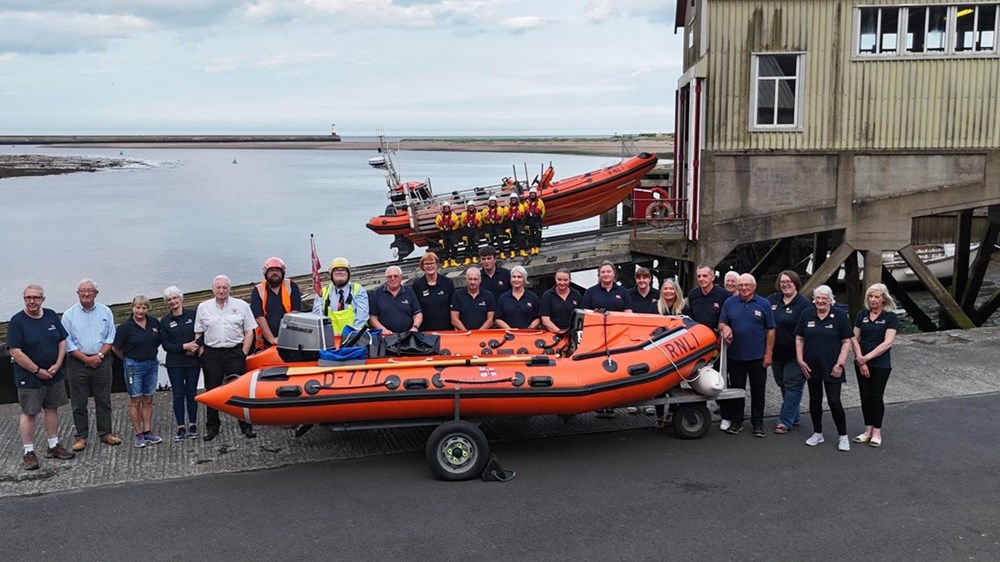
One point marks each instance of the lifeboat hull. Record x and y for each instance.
(568, 200)
(614, 359)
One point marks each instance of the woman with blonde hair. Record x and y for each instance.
(137, 341)
(670, 302)
(875, 331)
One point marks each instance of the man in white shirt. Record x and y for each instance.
(225, 328)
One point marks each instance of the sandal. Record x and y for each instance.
(875, 441)
(863, 438)
(781, 428)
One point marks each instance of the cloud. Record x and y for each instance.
(293, 59)
(521, 24)
(656, 11)
(48, 33)
(407, 14)
(228, 64)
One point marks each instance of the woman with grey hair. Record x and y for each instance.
(518, 307)
(183, 365)
(822, 340)
(874, 333)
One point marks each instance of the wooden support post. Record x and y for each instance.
(609, 218)
(828, 269)
(920, 318)
(980, 264)
(779, 250)
(821, 245)
(936, 289)
(963, 237)
(988, 308)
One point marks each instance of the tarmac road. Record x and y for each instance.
(930, 493)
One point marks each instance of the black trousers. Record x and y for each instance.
(739, 373)
(872, 391)
(816, 387)
(216, 364)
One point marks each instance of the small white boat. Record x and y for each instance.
(939, 258)
(377, 162)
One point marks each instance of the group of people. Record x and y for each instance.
(805, 344)
(513, 227)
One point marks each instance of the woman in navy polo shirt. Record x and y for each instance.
(137, 341)
(518, 307)
(822, 340)
(874, 333)
(559, 302)
(607, 294)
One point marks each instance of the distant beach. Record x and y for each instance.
(32, 165)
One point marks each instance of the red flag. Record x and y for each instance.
(317, 266)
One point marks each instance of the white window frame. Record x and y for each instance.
(950, 38)
(800, 57)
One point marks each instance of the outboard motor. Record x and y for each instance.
(303, 335)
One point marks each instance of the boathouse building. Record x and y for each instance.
(840, 119)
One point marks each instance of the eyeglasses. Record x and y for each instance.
(33, 298)
(87, 292)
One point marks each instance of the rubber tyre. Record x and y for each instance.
(692, 421)
(457, 450)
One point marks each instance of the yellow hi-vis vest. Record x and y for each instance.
(340, 318)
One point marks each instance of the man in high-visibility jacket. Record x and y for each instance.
(534, 212)
(471, 232)
(492, 219)
(271, 299)
(449, 224)
(514, 217)
(344, 302)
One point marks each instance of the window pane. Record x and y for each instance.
(965, 28)
(777, 65)
(889, 30)
(786, 102)
(915, 26)
(937, 27)
(869, 27)
(987, 28)
(765, 102)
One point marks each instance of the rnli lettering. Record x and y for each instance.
(681, 345)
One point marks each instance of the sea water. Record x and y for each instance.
(182, 216)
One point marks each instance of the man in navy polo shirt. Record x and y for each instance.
(471, 307)
(705, 300)
(394, 306)
(746, 325)
(495, 279)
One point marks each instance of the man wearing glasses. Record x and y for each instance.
(346, 303)
(37, 343)
(90, 328)
(395, 308)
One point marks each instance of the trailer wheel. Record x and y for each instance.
(457, 450)
(692, 421)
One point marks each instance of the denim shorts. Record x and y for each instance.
(140, 377)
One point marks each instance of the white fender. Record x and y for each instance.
(708, 382)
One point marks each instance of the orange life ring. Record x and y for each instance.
(658, 214)
(660, 192)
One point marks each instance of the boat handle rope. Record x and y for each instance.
(491, 381)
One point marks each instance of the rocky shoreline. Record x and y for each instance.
(20, 165)
(40, 165)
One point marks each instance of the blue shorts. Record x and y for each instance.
(140, 377)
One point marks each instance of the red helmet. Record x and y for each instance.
(272, 263)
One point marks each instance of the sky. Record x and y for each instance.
(412, 67)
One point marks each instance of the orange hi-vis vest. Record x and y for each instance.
(286, 301)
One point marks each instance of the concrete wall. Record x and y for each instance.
(872, 197)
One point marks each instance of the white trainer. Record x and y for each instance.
(724, 425)
(845, 443)
(815, 439)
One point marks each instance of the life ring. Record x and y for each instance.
(658, 214)
(661, 194)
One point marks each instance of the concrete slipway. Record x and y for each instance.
(926, 366)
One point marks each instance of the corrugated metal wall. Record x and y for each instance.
(848, 104)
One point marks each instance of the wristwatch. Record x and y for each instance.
(101, 355)
(37, 369)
